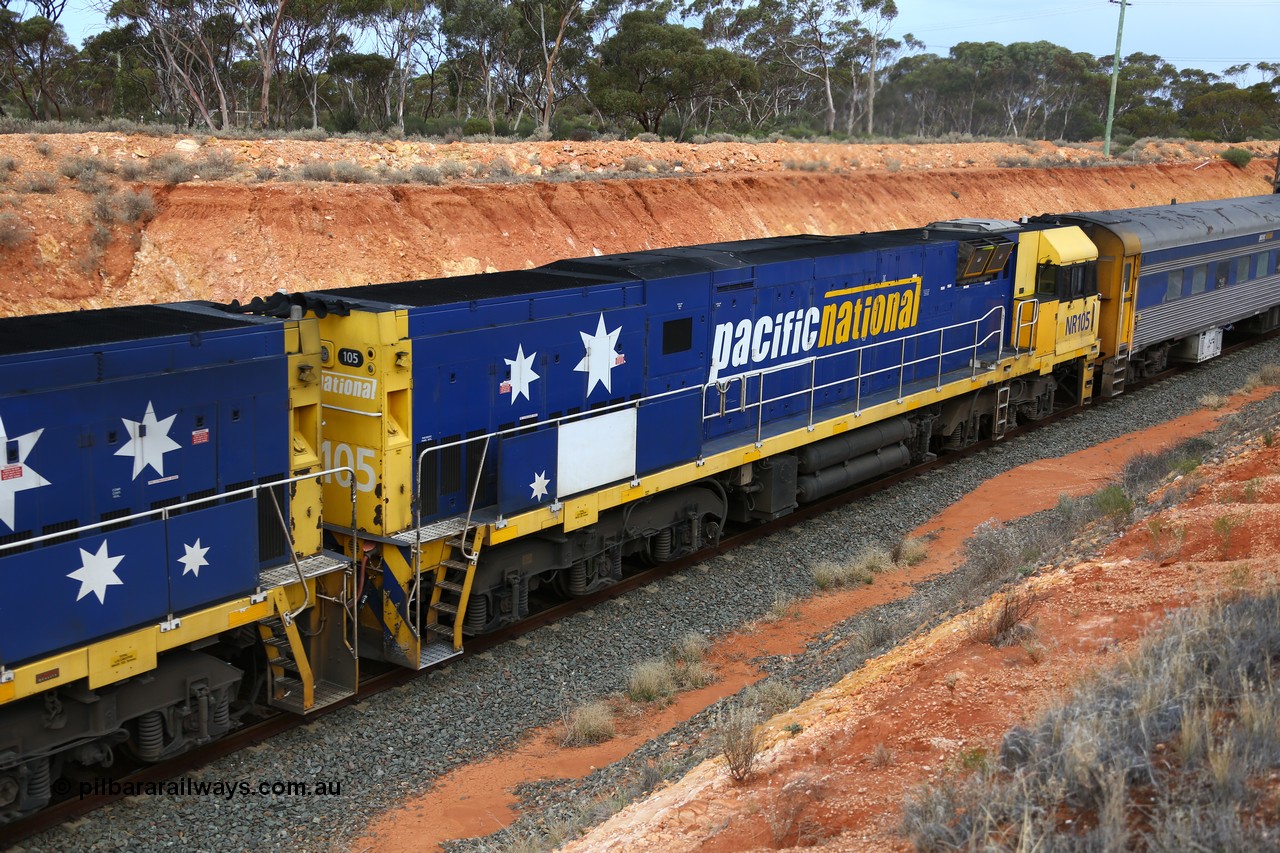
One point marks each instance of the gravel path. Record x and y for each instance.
(393, 745)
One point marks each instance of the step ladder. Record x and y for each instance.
(291, 683)
(1114, 372)
(451, 581)
(1000, 422)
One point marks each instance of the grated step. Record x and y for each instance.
(434, 653)
(451, 586)
(445, 608)
(458, 565)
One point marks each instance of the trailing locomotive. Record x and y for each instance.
(204, 508)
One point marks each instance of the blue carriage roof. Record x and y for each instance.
(1173, 225)
(41, 332)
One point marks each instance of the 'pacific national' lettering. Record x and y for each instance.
(873, 309)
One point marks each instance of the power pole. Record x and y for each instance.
(1115, 76)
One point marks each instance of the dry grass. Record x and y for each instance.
(652, 680)
(588, 724)
(1212, 401)
(862, 569)
(1174, 749)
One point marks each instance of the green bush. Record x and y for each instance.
(1237, 157)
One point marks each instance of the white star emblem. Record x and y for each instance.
(193, 559)
(16, 476)
(539, 486)
(148, 441)
(96, 573)
(521, 374)
(600, 359)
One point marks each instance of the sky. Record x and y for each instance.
(1206, 34)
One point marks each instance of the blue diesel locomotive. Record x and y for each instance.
(204, 509)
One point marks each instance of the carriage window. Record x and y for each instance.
(1264, 264)
(1242, 269)
(1173, 290)
(1220, 274)
(1199, 275)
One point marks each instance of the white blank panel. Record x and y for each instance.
(596, 451)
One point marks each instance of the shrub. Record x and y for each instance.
(993, 551)
(588, 724)
(740, 741)
(80, 168)
(453, 168)
(771, 697)
(216, 165)
(7, 166)
(347, 172)
(264, 173)
(40, 182)
(1111, 501)
(13, 231)
(394, 176)
(133, 206)
(171, 168)
(1237, 157)
(317, 170)
(648, 137)
(651, 680)
(424, 174)
(1269, 374)
(1005, 624)
(44, 149)
(132, 170)
(582, 134)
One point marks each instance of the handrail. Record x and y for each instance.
(1019, 325)
(723, 384)
(164, 512)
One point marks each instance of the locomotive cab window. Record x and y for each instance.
(1074, 281)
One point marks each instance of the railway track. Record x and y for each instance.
(74, 805)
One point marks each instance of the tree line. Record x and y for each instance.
(558, 68)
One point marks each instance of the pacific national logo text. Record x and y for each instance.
(864, 312)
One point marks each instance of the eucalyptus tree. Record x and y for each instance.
(312, 32)
(649, 66)
(562, 31)
(195, 41)
(33, 52)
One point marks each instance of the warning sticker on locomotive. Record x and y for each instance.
(360, 387)
(11, 472)
(200, 436)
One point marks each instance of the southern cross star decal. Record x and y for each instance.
(539, 486)
(193, 559)
(16, 476)
(97, 572)
(600, 359)
(148, 441)
(521, 375)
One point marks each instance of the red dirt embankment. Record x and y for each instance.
(240, 237)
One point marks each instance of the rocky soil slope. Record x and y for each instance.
(76, 234)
